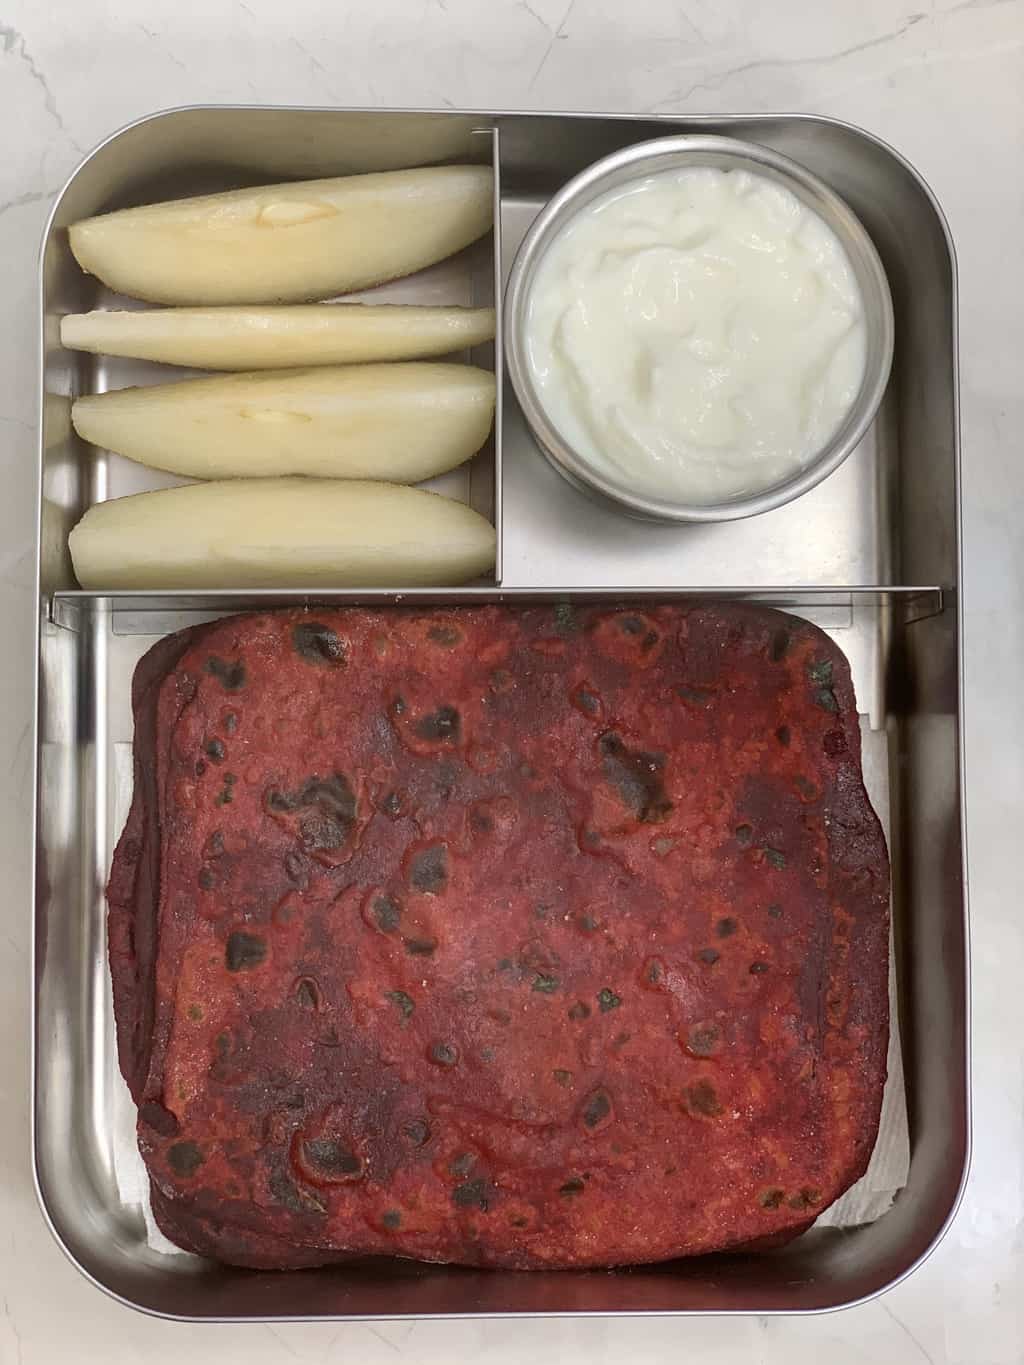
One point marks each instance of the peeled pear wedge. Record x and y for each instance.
(281, 533)
(279, 337)
(288, 243)
(403, 422)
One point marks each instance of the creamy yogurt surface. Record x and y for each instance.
(697, 334)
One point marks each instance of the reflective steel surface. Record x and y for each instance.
(871, 554)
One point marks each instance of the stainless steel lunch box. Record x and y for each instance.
(870, 554)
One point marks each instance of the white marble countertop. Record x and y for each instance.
(945, 84)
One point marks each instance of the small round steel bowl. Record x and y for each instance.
(725, 153)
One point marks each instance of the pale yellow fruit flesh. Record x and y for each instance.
(278, 337)
(403, 422)
(281, 533)
(288, 243)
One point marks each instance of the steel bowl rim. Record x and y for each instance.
(864, 259)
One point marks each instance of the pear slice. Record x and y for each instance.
(281, 533)
(288, 243)
(403, 422)
(279, 337)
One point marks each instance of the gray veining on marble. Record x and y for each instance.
(944, 84)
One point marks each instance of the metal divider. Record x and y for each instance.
(494, 133)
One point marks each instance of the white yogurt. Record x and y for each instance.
(696, 335)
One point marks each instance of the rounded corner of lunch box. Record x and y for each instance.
(96, 1259)
(88, 157)
(907, 166)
